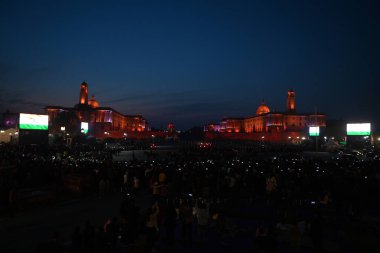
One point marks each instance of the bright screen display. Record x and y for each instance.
(314, 131)
(84, 127)
(359, 129)
(33, 121)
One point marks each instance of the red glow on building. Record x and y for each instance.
(101, 119)
(83, 96)
(279, 125)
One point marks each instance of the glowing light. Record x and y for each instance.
(359, 129)
(33, 121)
(84, 127)
(303, 138)
(314, 131)
(2, 131)
(63, 128)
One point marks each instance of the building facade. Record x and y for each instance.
(101, 120)
(267, 122)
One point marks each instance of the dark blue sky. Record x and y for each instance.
(192, 62)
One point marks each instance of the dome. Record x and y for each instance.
(262, 109)
(93, 103)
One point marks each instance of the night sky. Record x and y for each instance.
(192, 62)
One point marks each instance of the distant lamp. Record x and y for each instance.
(63, 128)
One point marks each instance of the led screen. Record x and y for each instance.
(33, 121)
(314, 131)
(84, 127)
(359, 129)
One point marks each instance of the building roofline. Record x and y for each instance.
(92, 109)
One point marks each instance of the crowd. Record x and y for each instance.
(193, 190)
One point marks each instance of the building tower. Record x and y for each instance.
(83, 96)
(291, 101)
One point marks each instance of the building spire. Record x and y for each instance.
(83, 95)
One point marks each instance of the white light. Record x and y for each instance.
(298, 137)
(289, 137)
(16, 133)
(303, 138)
(63, 128)
(262, 137)
(359, 129)
(325, 138)
(2, 131)
(314, 131)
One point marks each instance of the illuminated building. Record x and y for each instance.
(270, 125)
(102, 120)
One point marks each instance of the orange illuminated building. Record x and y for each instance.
(268, 125)
(103, 121)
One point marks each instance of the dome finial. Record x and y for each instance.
(263, 108)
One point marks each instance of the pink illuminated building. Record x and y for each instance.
(102, 121)
(276, 126)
